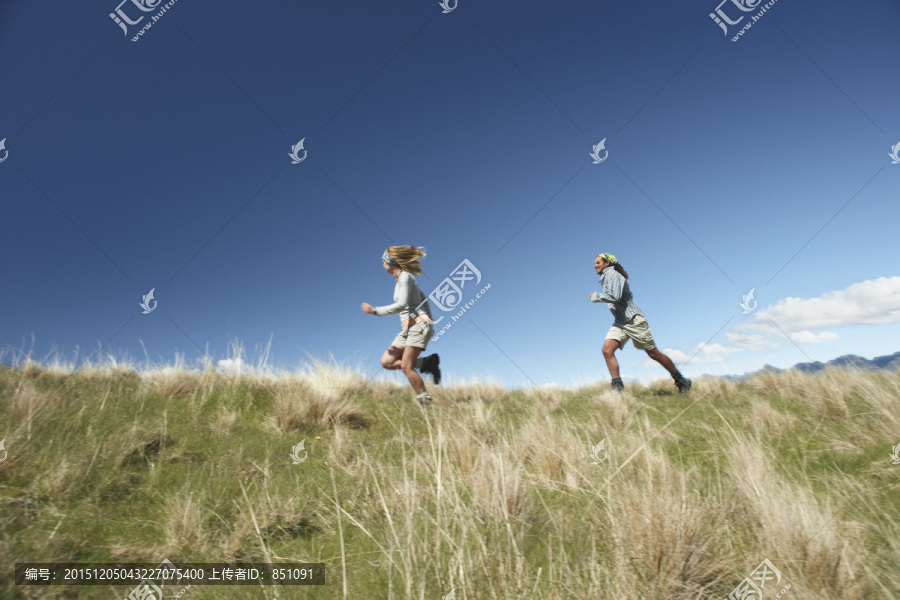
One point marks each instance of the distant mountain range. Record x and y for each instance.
(848, 361)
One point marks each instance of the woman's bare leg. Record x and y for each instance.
(391, 358)
(408, 365)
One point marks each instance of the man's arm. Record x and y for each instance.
(613, 285)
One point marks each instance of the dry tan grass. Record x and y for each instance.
(478, 420)
(112, 373)
(56, 478)
(183, 526)
(548, 397)
(834, 395)
(470, 392)
(329, 380)
(224, 423)
(714, 386)
(174, 383)
(663, 387)
(826, 392)
(31, 369)
(386, 391)
(495, 493)
(878, 394)
(462, 449)
(182, 382)
(795, 529)
(299, 406)
(552, 453)
(343, 453)
(763, 417)
(498, 490)
(617, 406)
(666, 531)
(27, 401)
(772, 384)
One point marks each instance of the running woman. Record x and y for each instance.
(629, 323)
(415, 318)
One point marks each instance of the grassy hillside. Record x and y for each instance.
(490, 493)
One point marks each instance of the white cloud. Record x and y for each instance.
(676, 355)
(713, 351)
(808, 337)
(701, 354)
(870, 302)
(231, 366)
(755, 342)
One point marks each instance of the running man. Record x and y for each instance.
(415, 318)
(629, 323)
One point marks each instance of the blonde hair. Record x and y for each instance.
(407, 258)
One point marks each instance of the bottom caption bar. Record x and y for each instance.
(169, 573)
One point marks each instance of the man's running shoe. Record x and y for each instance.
(424, 399)
(683, 385)
(617, 385)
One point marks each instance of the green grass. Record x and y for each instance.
(490, 492)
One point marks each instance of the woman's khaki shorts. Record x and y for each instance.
(637, 330)
(416, 336)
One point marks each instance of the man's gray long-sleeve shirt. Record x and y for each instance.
(617, 295)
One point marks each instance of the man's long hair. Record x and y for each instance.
(407, 257)
(621, 270)
(614, 264)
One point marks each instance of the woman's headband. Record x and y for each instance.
(387, 258)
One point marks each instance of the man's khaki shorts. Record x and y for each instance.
(417, 336)
(637, 330)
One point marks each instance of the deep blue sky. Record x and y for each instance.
(164, 164)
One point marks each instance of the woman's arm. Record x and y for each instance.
(402, 291)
